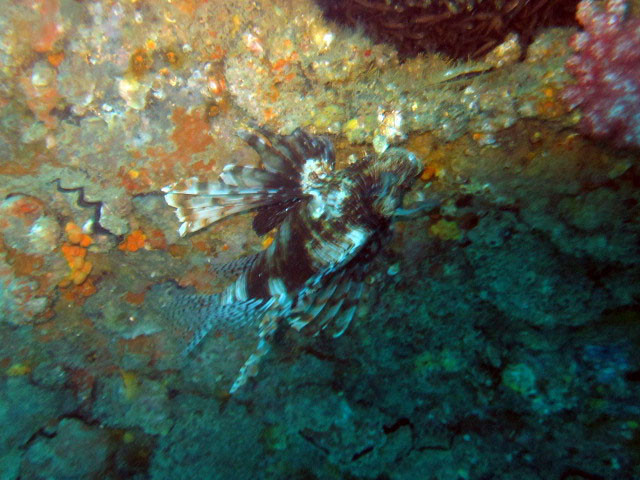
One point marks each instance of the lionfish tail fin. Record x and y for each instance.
(198, 314)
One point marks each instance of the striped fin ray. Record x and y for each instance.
(287, 154)
(236, 315)
(275, 189)
(237, 190)
(235, 267)
(250, 178)
(338, 316)
(200, 314)
(264, 143)
(334, 305)
(301, 145)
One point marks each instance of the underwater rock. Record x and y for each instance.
(19, 302)
(523, 278)
(520, 378)
(25, 409)
(112, 217)
(478, 341)
(40, 88)
(210, 442)
(129, 400)
(26, 226)
(133, 92)
(76, 83)
(61, 455)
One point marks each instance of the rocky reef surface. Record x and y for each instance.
(500, 334)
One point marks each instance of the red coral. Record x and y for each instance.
(607, 69)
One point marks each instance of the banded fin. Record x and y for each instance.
(286, 154)
(202, 313)
(231, 315)
(274, 190)
(235, 267)
(334, 304)
(270, 216)
(238, 189)
(251, 366)
(268, 326)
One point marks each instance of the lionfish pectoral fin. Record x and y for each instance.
(274, 189)
(332, 306)
(237, 190)
(231, 316)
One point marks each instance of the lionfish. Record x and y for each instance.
(330, 225)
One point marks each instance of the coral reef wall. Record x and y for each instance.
(499, 334)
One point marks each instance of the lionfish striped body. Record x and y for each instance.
(330, 225)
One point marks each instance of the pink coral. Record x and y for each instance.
(607, 70)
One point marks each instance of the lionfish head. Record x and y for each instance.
(396, 170)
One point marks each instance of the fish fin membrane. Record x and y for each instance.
(199, 314)
(286, 155)
(332, 306)
(235, 267)
(269, 217)
(237, 190)
(274, 189)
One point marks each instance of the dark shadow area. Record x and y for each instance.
(459, 29)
